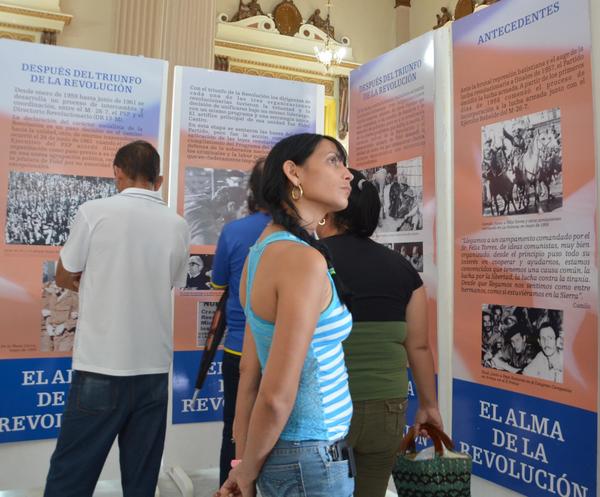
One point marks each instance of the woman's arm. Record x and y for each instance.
(421, 359)
(301, 289)
(247, 391)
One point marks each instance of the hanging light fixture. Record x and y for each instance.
(330, 53)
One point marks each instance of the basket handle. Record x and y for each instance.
(439, 438)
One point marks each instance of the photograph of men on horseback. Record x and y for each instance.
(400, 187)
(521, 166)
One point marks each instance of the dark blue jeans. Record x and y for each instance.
(99, 409)
(231, 378)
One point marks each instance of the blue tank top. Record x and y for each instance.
(323, 407)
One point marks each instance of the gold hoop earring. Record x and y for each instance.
(322, 222)
(297, 195)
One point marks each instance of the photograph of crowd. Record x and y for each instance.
(41, 207)
(412, 252)
(523, 340)
(212, 198)
(60, 309)
(199, 272)
(521, 167)
(400, 187)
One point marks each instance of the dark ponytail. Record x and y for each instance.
(275, 193)
(361, 216)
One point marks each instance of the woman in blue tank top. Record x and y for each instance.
(294, 408)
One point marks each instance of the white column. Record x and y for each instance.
(139, 27)
(189, 33)
(181, 32)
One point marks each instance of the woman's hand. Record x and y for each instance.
(239, 483)
(429, 415)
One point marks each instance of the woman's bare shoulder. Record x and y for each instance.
(294, 256)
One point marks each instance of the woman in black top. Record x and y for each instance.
(389, 310)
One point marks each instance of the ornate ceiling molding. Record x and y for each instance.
(65, 18)
(257, 71)
(282, 67)
(287, 18)
(22, 22)
(280, 53)
(265, 23)
(16, 36)
(37, 29)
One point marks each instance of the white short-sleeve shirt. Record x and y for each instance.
(132, 250)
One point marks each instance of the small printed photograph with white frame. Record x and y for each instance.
(400, 188)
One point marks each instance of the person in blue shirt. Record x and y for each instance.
(232, 248)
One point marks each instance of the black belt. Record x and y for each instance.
(341, 451)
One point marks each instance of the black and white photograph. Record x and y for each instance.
(523, 340)
(411, 251)
(212, 198)
(400, 187)
(521, 167)
(199, 272)
(60, 310)
(41, 206)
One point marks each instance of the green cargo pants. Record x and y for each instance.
(375, 434)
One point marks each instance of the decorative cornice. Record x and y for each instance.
(280, 53)
(275, 66)
(40, 14)
(36, 29)
(16, 36)
(328, 84)
(402, 3)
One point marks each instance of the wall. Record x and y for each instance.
(351, 18)
(422, 14)
(92, 27)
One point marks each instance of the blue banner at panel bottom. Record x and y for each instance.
(34, 395)
(208, 405)
(530, 445)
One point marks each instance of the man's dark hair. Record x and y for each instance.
(255, 200)
(138, 160)
(515, 330)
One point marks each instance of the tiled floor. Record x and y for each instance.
(106, 488)
(204, 484)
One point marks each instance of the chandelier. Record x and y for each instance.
(330, 53)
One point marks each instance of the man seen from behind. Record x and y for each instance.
(124, 255)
